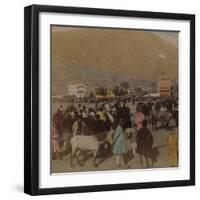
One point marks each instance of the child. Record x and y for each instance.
(173, 147)
(119, 144)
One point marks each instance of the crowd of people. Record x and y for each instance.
(117, 116)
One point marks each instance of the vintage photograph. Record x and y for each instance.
(114, 99)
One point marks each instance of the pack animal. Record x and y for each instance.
(84, 143)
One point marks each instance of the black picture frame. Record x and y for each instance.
(31, 98)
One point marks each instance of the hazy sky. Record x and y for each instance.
(169, 36)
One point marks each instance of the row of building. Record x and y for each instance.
(165, 88)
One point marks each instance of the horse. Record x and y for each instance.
(161, 116)
(85, 143)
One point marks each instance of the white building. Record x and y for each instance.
(77, 89)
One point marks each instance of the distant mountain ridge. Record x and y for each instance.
(108, 56)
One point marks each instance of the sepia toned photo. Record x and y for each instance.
(109, 99)
(114, 99)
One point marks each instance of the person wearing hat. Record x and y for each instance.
(119, 144)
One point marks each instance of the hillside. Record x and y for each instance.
(107, 56)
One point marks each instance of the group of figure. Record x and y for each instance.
(141, 140)
(121, 118)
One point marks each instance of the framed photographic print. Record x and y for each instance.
(109, 100)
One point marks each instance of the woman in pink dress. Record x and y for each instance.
(55, 142)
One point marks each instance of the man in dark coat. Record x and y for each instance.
(144, 143)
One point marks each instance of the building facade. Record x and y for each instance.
(77, 89)
(164, 88)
